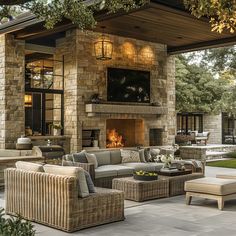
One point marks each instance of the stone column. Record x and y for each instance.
(171, 115)
(12, 63)
(67, 47)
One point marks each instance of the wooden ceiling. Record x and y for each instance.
(178, 29)
(161, 21)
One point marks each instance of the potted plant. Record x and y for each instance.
(57, 127)
(15, 226)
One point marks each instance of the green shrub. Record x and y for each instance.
(231, 155)
(15, 226)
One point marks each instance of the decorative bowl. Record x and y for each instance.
(146, 176)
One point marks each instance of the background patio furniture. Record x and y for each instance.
(202, 137)
(53, 200)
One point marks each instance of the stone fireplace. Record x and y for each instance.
(148, 121)
(124, 133)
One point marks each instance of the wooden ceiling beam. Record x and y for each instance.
(202, 45)
(34, 32)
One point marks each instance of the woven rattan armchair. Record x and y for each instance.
(53, 200)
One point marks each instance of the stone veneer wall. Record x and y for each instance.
(213, 124)
(11, 90)
(84, 76)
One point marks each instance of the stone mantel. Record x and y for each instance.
(93, 109)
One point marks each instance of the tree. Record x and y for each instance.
(196, 88)
(80, 12)
(222, 13)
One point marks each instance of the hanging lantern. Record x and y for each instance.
(28, 100)
(103, 48)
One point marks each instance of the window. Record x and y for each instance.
(43, 94)
(187, 122)
(228, 129)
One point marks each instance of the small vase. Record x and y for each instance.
(56, 132)
(166, 166)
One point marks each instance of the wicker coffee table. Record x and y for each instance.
(139, 191)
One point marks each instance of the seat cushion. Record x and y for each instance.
(29, 166)
(210, 185)
(105, 171)
(151, 166)
(124, 170)
(115, 157)
(103, 158)
(231, 175)
(77, 172)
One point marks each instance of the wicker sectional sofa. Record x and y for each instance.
(110, 166)
(53, 200)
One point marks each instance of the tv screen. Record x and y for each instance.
(125, 85)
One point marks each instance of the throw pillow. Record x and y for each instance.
(91, 158)
(80, 157)
(90, 183)
(147, 154)
(24, 165)
(129, 156)
(68, 157)
(70, 171)
(141, 155)
(67, 163)
(154, 153)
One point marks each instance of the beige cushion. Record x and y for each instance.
(150, 166)
(129, 156)
(77, 172)
(105, 171)
(92, 159)
(103, 158)
(210, 185)
(227, 176)
(24, 165)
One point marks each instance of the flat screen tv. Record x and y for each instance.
(125, 85)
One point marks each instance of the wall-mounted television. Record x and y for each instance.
(124, 85)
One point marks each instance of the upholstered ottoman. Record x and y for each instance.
(230, 175)
(211, 188)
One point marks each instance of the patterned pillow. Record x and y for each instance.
(129, 156)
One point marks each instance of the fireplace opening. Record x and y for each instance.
(124, 133)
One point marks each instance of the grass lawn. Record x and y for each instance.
(226, 163)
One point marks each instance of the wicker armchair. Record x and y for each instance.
(53, 200)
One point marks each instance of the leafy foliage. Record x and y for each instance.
(222, 13)
(79, 12)
(15, 226)
(196, 88)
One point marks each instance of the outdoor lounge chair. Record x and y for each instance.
(53, 200)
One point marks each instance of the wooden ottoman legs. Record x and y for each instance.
(188, 199)
(220, 199)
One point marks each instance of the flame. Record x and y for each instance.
(114, 139)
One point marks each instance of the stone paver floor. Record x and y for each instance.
(165, 217)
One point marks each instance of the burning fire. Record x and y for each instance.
(114, 139)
